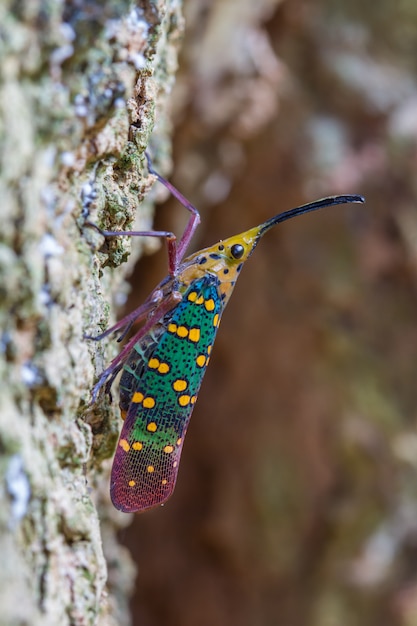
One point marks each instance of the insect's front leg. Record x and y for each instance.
(192, 223)
(162, 234)
(176, 250)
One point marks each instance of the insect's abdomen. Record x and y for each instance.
(164, 392)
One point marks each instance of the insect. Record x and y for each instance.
(163, 364)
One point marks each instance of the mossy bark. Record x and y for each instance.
(82, 89)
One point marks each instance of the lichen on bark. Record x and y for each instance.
(81, 89)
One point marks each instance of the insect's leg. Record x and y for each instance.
(194, 220)
(175, 251)
(128, 320)
(166, 305)
(164, 234)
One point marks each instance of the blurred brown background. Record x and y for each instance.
(297, 495)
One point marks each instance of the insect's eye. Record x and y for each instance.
(237, 251)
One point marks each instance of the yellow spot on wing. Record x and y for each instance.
(137, 446)
(179, 385)
(163, 368)
(182, 331)
(179, 441)
(192, 296)
(149, 402)
(132, 483)
(209, 349)
(172, 328)
(152, 427)
(200, 360)
(184, 400)
(216, 320)
(124, 444)
(164, 481)
(194, 334)
(150, 469)
(153, 363)
(168, 449)
(193, 399)
(209, 304)
(137, 397)
(199, 300)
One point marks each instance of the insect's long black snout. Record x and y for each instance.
(307, 208)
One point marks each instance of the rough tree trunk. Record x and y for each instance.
(82, 87)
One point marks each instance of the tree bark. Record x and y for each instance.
(83, 87)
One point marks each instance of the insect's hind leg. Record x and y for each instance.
(127, 321)
(115, 366)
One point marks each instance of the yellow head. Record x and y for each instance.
(226, 258)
